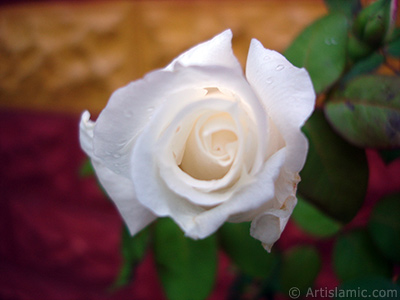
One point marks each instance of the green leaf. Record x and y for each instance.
(367, 112)
(368, 288)
(358, 49)
(389, 155)
(346, 7)
(373, 22)
(393, 47)
(86, 169)
(300, 267)
(246, 252)
(313, 221)
(321, 49)
(186, 267)
(133, 251)
(366, 65)
(355, 256)
(335, 175)
(384, 226)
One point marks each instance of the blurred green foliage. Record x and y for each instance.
(314, 221)
(384, 226)
(335, 175)
(187, 268)
(355, 255)
(321, 49)
(367, 117)
(133, 250)
(304, 260)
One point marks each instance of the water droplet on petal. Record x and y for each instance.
(116, 155)
(269, 80)
(150, 109)
(279, 67)
(267, 58)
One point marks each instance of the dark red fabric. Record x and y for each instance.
(58, 234)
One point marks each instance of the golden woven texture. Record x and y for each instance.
(72, 56)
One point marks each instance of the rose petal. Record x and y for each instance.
(86, 127)
(161, 161)
(130, 108)
(207, 155)
(191, 79)
(183, 183)
(269, 226)
(251, 197)
(215, 52)
(287, 94)
(120, 190)
(286, 185)
(275, 139)
(153, 193)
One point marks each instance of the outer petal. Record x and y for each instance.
(130, 108)
(215, 52)
(268, 226)
(120, 190)
(86, 127)
(287, 94)
(286, 185)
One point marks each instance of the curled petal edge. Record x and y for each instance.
(269, 226)
(119, 188)
(86, 127)
(216, 51)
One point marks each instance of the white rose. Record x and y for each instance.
(203, 144)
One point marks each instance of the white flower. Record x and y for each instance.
(203, 144)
